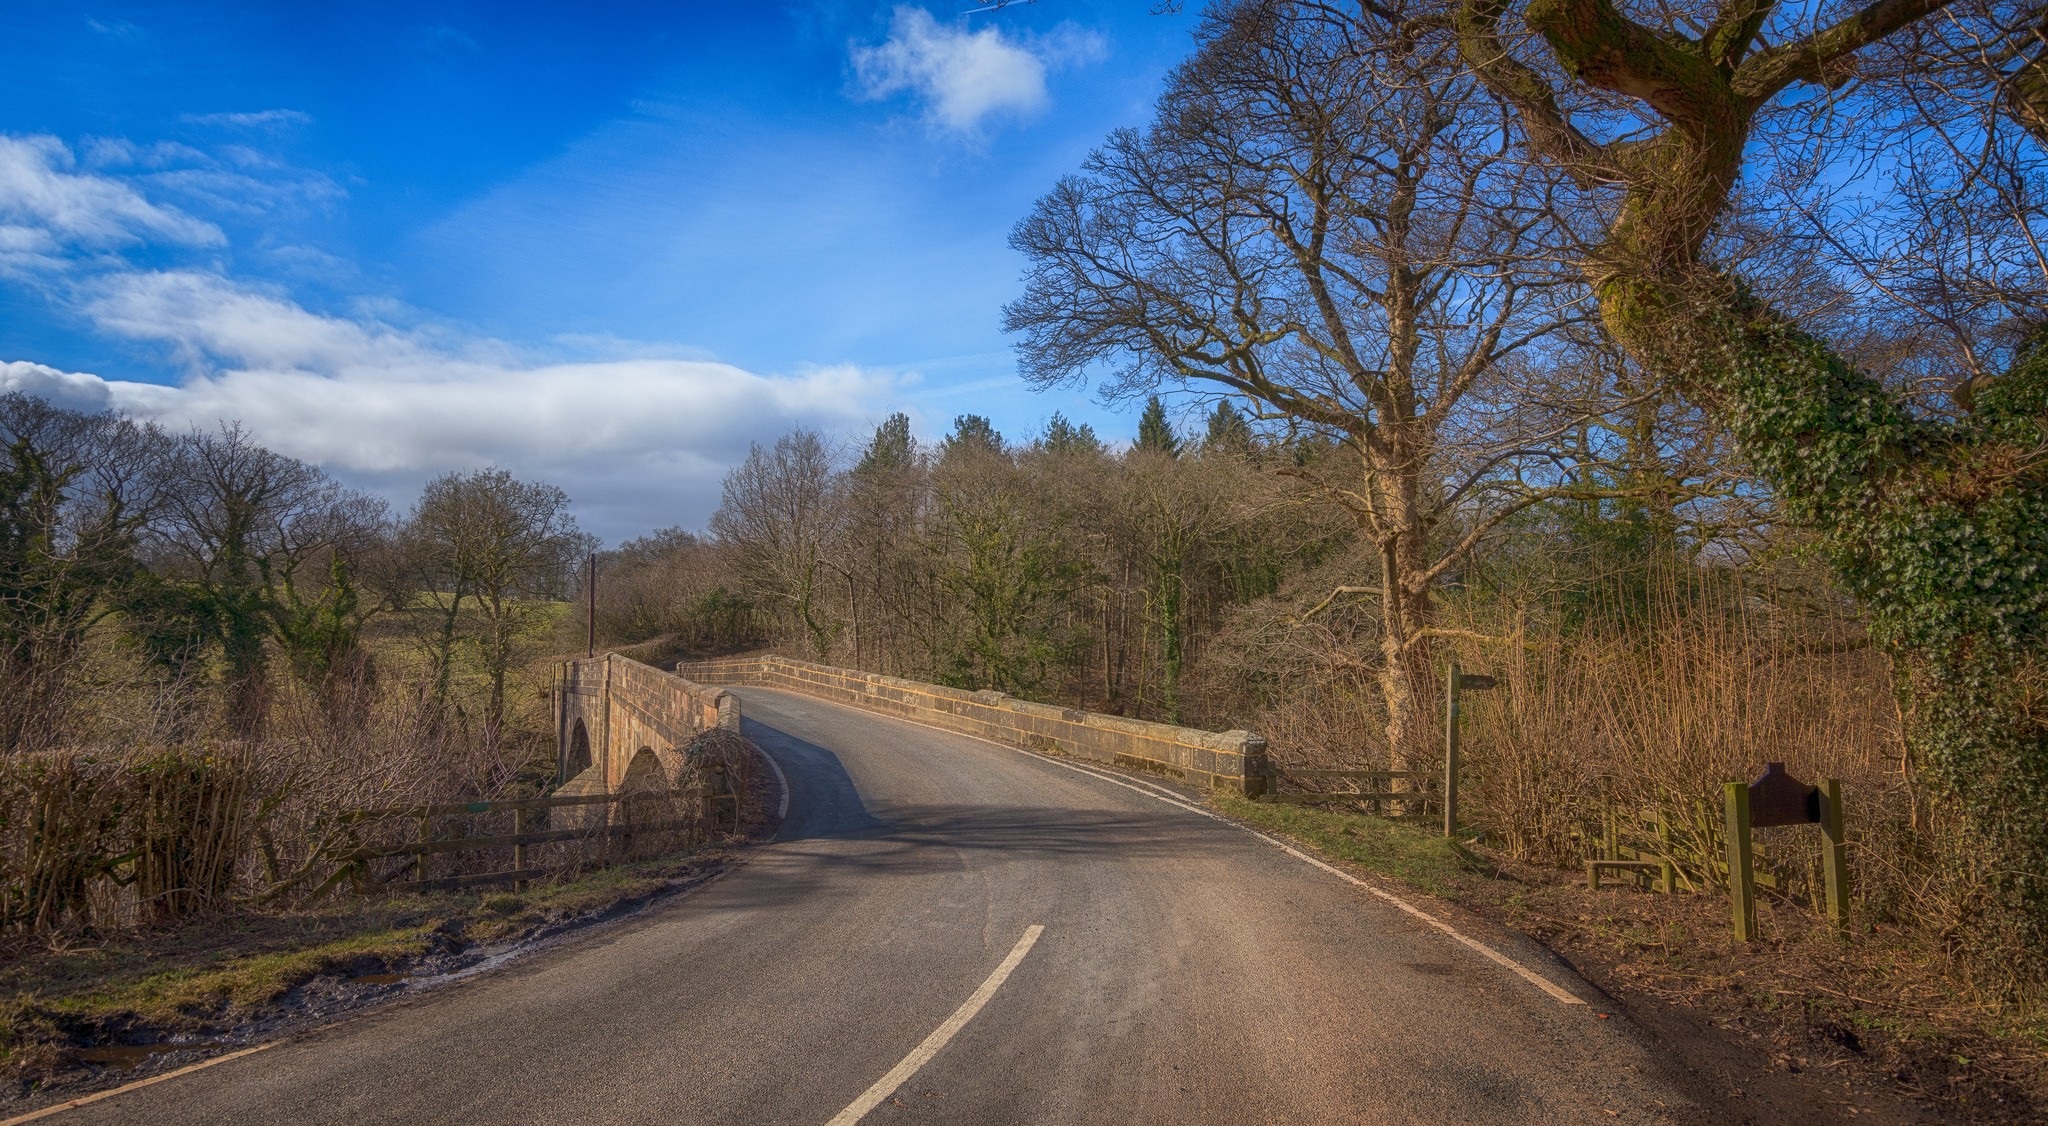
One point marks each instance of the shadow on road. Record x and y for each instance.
(833, 834)
(823, 801)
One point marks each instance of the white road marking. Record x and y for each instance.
(922, 1054)
(1156, 792)
(59, 1108)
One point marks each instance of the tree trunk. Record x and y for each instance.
(1171, 632)
(1407, 679)
(500, 657)
(444, 657)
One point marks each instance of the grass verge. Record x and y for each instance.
(1423, 860)
(213, 977)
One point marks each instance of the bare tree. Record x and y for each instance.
(778, 519)
(316, 606)
(238, 517)
(506, 545)
(1328, 226)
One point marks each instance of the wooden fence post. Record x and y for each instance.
(1741, 862)
(519, 849)
(426, 836)
(1668, 873)
(1834, 854)
(1451, 752)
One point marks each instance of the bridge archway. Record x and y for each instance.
(644, 772)
(578, 758)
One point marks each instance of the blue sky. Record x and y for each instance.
(606, 245)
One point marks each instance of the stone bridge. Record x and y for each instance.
(617, 720)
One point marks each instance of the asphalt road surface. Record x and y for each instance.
(1182, 971)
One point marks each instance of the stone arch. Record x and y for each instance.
(579, 758)
(644, 772)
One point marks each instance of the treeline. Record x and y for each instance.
(1054, 567)
(162, 588)
(1196, 575)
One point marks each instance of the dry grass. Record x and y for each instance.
(1647, 692)
(1653, 703)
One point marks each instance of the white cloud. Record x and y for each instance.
(68, 389)
(205, 317)
(639, 432)
(47, 207)
(115, 152)
(642, 441)
(367, 395)
(964, 77)
(463, 414)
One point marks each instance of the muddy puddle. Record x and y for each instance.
(128, 1057)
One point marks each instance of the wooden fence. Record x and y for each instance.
(1679, 850)
(1373, 789)
(638, 815)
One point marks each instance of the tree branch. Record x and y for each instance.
(1334, 595)
(1551, 133)
(1816, 57)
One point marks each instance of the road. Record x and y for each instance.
(1185, 972)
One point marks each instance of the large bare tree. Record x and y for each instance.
(506, 546)
(238, 517)
(1331, 227)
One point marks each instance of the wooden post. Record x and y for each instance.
(1741, 862)
(1834, 853)
(1451, 752)
(1668, 873)
(590, 576)
(519, 849)
(426, 833)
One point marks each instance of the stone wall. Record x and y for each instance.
(623, 707)
(1233, 760)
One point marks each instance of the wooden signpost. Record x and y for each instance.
(1777, 798)
(1459, 682)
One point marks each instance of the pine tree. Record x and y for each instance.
(1228, 430)
(972, 433)
(1063, 437)
(891, 448)
(1154, 432)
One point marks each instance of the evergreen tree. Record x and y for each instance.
(1154, 432)
(891, 448)
(1228, 429)
(1063, 437)
(972, 433)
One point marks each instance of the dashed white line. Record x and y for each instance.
(929, 1047)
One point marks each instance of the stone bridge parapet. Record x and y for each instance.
(615, 717)
(1231, 760)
